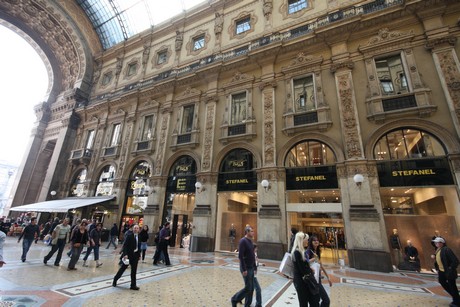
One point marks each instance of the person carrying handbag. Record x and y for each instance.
(304, 281)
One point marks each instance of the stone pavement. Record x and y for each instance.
(194, 279)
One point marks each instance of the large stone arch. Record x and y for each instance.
(66, 51)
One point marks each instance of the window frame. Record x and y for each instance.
(294, 6)
(162, 57)
(115, 135)
(91, 135)
(147, 125)
(243, 25)
(297, 106)
(187, 119)
(389, 82)
(199, 39)
(233, 98)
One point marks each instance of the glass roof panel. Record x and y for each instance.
(118, 20)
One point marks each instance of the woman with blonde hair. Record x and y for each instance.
(301, 269)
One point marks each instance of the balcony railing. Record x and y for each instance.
(306, 118)
(399, 103)
(237, 129)
(184, 138)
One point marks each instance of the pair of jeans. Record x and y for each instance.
(26, 243)
(75, 251)
(450, 286)
(247, 291)
(59, 247)
(112, 241)
(258, 292)
(94, 248)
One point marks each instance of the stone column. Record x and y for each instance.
(448, 68)
(365, 227)
(271, 223)
(205, 212)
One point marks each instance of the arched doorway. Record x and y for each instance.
(313, 201)
(180, 199)
(236, 199)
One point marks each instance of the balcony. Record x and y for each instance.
(418, 103)
(243, 131)
(143, 147)
(112, 151)
(81, 156)
(185, 140)
(319, 120)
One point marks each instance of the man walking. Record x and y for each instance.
(59, 239)
(95, 243)
(113, 236)
(132, 252)
(247, 267)
(30, 232)
(446, 263)
(165, 235)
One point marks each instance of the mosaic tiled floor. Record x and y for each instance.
(194, 279)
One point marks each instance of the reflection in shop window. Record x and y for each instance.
(309, 153)
(407, 144)
(415, 201)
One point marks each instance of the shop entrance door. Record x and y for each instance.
(180, 229)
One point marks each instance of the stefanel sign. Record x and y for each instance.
(317, 177)
(419, 172)
(238, 181)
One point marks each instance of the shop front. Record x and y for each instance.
(418, 195)
(313, 197)
(180, 200)
(236, 199)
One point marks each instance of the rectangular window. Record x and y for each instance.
(115, 135)
(304, 94)
(243, 25)
(296, 5)
(392, 76)
(238, 109)
(147, 129)
(106, 78)
(198, 42)
(132, 68)
(90, 139)
(187, 119)
(162, 57)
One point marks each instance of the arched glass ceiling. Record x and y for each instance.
(118, 20)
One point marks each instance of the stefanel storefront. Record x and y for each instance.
(418, 194)
(237, 198)
(313, 197)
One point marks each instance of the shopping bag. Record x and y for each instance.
(316, 267)
(287, 266)
(47, 239)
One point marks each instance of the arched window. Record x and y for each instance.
(77, 187)
(407, 143)
(105, 185)
(309, 153)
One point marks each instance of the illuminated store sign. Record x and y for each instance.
(317, 177)
(238, 181)
(181, 184)
(420, 172)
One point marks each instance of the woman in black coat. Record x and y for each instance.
(301, 269)
(446, 264)
(79, 239)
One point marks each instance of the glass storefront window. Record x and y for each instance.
(407, 144)
(309, 153)
(77, 188)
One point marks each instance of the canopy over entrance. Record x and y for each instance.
(62, 205)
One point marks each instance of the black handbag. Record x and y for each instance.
(312, 284)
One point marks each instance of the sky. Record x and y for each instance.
(23, 84)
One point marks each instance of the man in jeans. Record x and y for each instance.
(59, 239)
(30, 232)
(95, 243)
(247, 267)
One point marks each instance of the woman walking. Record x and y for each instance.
(79, 239)
(446, 264)
(301, 269)
(144, 237)
(313, 254)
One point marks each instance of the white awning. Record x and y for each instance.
(62, 205)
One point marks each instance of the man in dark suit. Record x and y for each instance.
(131, 251)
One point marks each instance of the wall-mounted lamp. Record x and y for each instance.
(358, 179)
(53, 193)
(265, 184)
(73, 211)
(199, 187)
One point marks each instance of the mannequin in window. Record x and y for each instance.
(232, 236)
(411, 260)
(395, 245)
